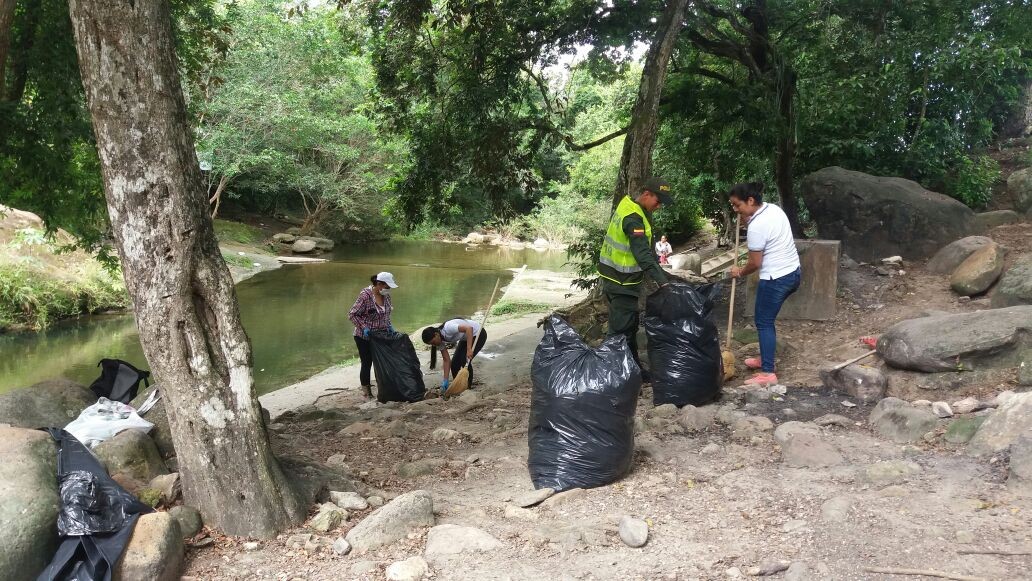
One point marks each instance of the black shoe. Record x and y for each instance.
(367, 390)
(646, 377)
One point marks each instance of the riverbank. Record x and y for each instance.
(507, 333)
(43, 281)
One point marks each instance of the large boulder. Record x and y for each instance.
(48, 404)
(875, 217)
(953, 254)
(155, 551)
(978, 272)
(303, 246)
(320, 243)
(1015, 287)
(131, 458)
(989, 220)
(393, 521)
(1019, 185)
(1012, 420)
(29, 502)
(901, 422)
(994, 338)
(161, 433)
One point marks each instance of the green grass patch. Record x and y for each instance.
(227, 231)
(348, 362)
(520, 307)
(237, 260)
(32, 300)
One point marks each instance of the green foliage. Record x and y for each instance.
(237, 260)
(583, 256)
(565, 218)
(32, 300)
(520, 307)
(466, 83)
(227, 231)
(48, 157)
(972, 180)
(290, 122)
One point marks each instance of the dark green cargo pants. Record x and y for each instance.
(623, 313)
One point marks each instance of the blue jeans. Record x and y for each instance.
(770, 295)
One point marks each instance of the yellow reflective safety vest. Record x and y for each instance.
(615, 260)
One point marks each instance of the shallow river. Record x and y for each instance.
(296, 316)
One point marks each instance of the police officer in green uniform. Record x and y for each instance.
(627, 255)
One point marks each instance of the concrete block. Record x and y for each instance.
(815, 299)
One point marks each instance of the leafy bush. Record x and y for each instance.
(227, 231)
(972, 180)
(565, 218)
(31, 300)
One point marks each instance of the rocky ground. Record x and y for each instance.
(916, 461)
(800, 483)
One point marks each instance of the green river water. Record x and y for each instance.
(296, 316)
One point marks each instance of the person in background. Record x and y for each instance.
(459, 333)
(772, 252)
(371, 312)
(663, 250)
(626, 255)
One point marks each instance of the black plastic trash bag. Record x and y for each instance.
(684, 348)
(398, 376)
(581, 431)
(96, 519)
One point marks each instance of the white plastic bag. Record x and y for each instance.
(103, 420)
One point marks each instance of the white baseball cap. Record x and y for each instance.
(387, 278)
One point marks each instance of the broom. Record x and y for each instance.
(461, 380)
(727, 355)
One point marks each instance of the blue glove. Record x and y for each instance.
(445, 384)
(391, 329)
(365, 333)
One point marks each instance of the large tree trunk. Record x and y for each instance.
(784, 159)
(6, 20)
(636, 159)
(185, 304)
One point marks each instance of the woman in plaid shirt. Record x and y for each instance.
(371, 312)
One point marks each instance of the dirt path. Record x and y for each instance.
(720, 501)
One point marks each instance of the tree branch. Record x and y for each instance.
(595, 143)
(704, 72)
(541, 87)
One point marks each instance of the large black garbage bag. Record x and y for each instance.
(96, 519)
(581, 431)
(684, 348)
(398, 377)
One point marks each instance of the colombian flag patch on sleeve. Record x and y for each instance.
(638, 232)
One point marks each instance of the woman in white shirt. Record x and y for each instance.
(663, 250)
(460, 333)
(772, 252)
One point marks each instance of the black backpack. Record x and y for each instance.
(119, 380)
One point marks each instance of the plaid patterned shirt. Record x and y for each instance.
(366, 314)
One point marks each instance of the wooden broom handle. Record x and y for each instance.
(486, 314)
(734, 281)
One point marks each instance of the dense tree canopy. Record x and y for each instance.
(386, 116)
